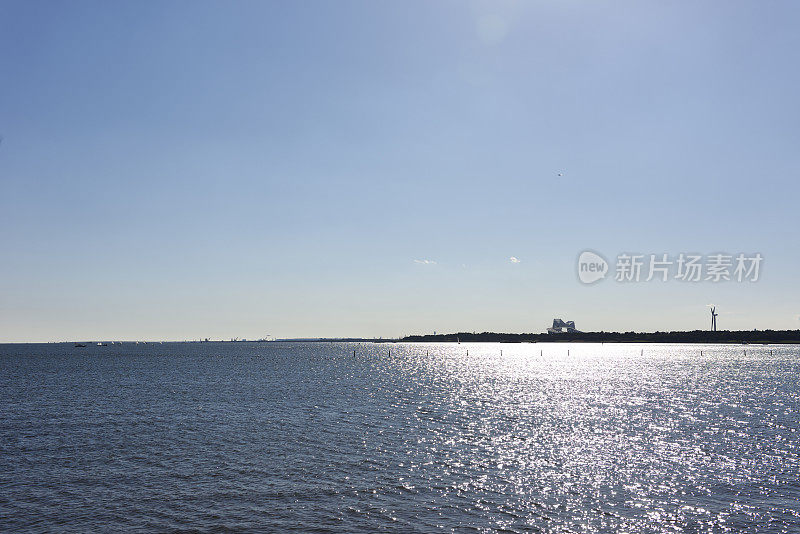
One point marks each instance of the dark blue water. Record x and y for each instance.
(275, 437)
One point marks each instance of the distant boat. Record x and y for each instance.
(102, 344)
(80, 345)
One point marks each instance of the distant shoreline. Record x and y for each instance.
(788, 337)
(694, 336)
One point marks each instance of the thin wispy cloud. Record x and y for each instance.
(425, 262)
(514, 259)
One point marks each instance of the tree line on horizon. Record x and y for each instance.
(693, 336)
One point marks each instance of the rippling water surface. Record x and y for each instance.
(406, 438)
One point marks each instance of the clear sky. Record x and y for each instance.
(177, 170)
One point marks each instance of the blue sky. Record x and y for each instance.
(177, 170)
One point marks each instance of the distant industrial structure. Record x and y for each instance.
(560, 327)
(714, 318)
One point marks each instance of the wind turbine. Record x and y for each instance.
(714, 318)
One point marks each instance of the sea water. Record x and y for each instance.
(370, 437)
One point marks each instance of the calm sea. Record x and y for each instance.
(310, 437)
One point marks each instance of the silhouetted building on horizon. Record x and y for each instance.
(560, 326)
